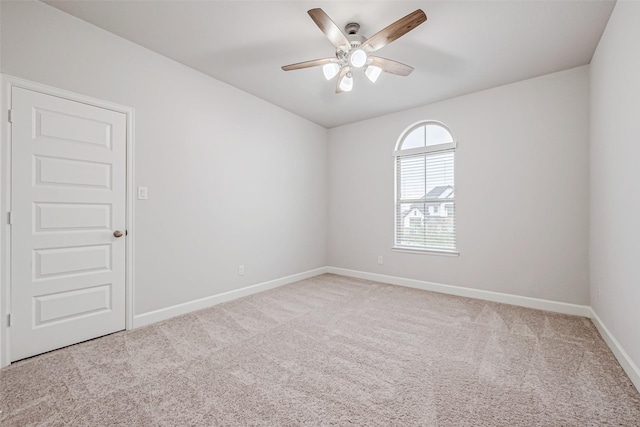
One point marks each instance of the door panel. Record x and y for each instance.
(71, 260)
(68, 197)
(72, 173)
(70, 128)
(69, 304)
(71, 216)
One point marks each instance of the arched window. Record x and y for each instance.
(425, 191)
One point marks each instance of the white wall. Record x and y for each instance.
(521, 191)
(615, 178)
(232, 179)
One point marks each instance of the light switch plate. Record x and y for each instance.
(143, 193)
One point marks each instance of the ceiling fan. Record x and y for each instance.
(353, 51)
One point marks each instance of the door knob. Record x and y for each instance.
(117, 233)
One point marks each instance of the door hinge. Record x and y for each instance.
(8, 320)
(10, 121)
(9, 218)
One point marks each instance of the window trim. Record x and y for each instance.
(444, 147)
(425, 150)
(415, 251)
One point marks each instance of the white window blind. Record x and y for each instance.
(425, 192)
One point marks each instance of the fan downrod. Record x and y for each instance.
(351, 28)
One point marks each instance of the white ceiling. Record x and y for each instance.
(464, 47)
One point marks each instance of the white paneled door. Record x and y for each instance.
(67, 222)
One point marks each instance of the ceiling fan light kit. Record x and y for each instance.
(357, 58)
(330, 70)
(346, 82)
(353, 51)
(372, 72)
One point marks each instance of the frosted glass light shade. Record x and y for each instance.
(372, 72)
(358, 58)
(347, 83)
(330, 70)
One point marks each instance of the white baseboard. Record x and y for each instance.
(625, 361)
(187, 307)
(540, 304)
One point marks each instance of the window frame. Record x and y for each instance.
(398, 152)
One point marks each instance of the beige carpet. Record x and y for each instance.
(332, 351)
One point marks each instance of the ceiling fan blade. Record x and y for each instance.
(343, 73)
(394, 31)
(307, 64)
(390, 66)
(328, 27)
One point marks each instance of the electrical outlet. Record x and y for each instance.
(143, 193)
(380, 260)
(241, 270)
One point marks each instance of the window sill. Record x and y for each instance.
(425, 251)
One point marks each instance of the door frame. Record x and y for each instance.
(7, 83)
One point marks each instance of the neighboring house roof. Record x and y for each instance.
(442, 192)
